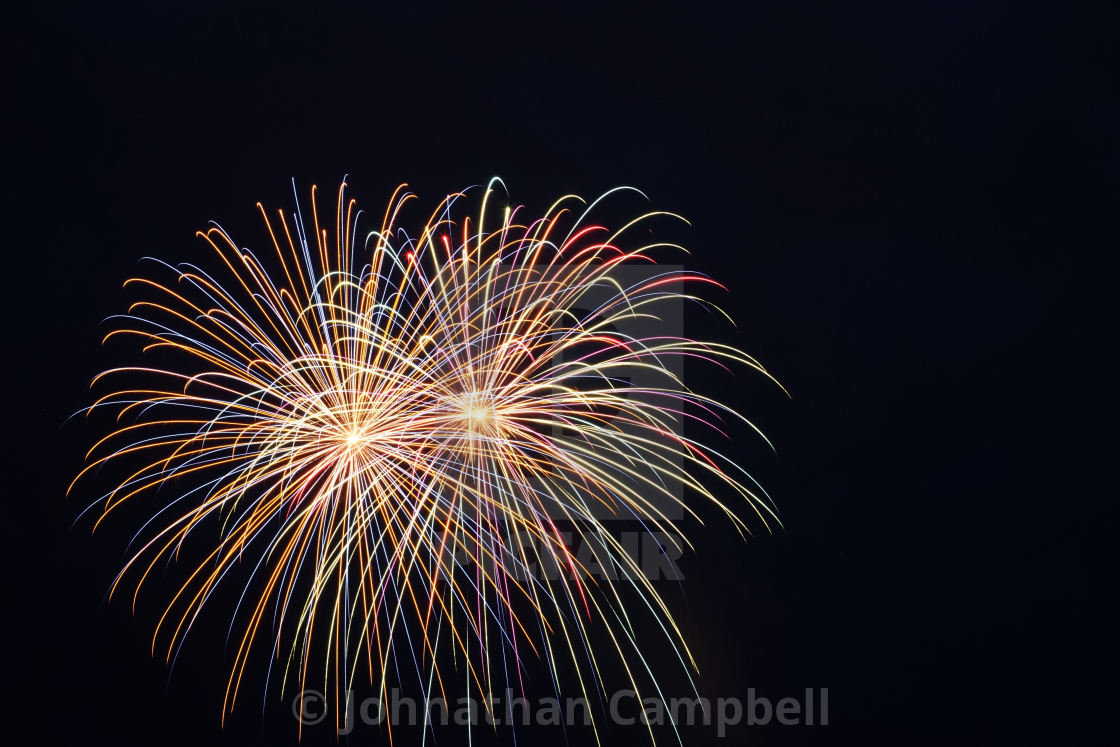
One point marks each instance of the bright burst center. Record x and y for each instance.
(478, 412)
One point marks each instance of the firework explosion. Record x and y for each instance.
(385, 433)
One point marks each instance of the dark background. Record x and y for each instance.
(912, 203)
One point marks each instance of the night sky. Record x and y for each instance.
(913, 205)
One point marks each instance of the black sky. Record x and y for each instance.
(912, 203)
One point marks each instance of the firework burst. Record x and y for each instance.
(385, 433)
